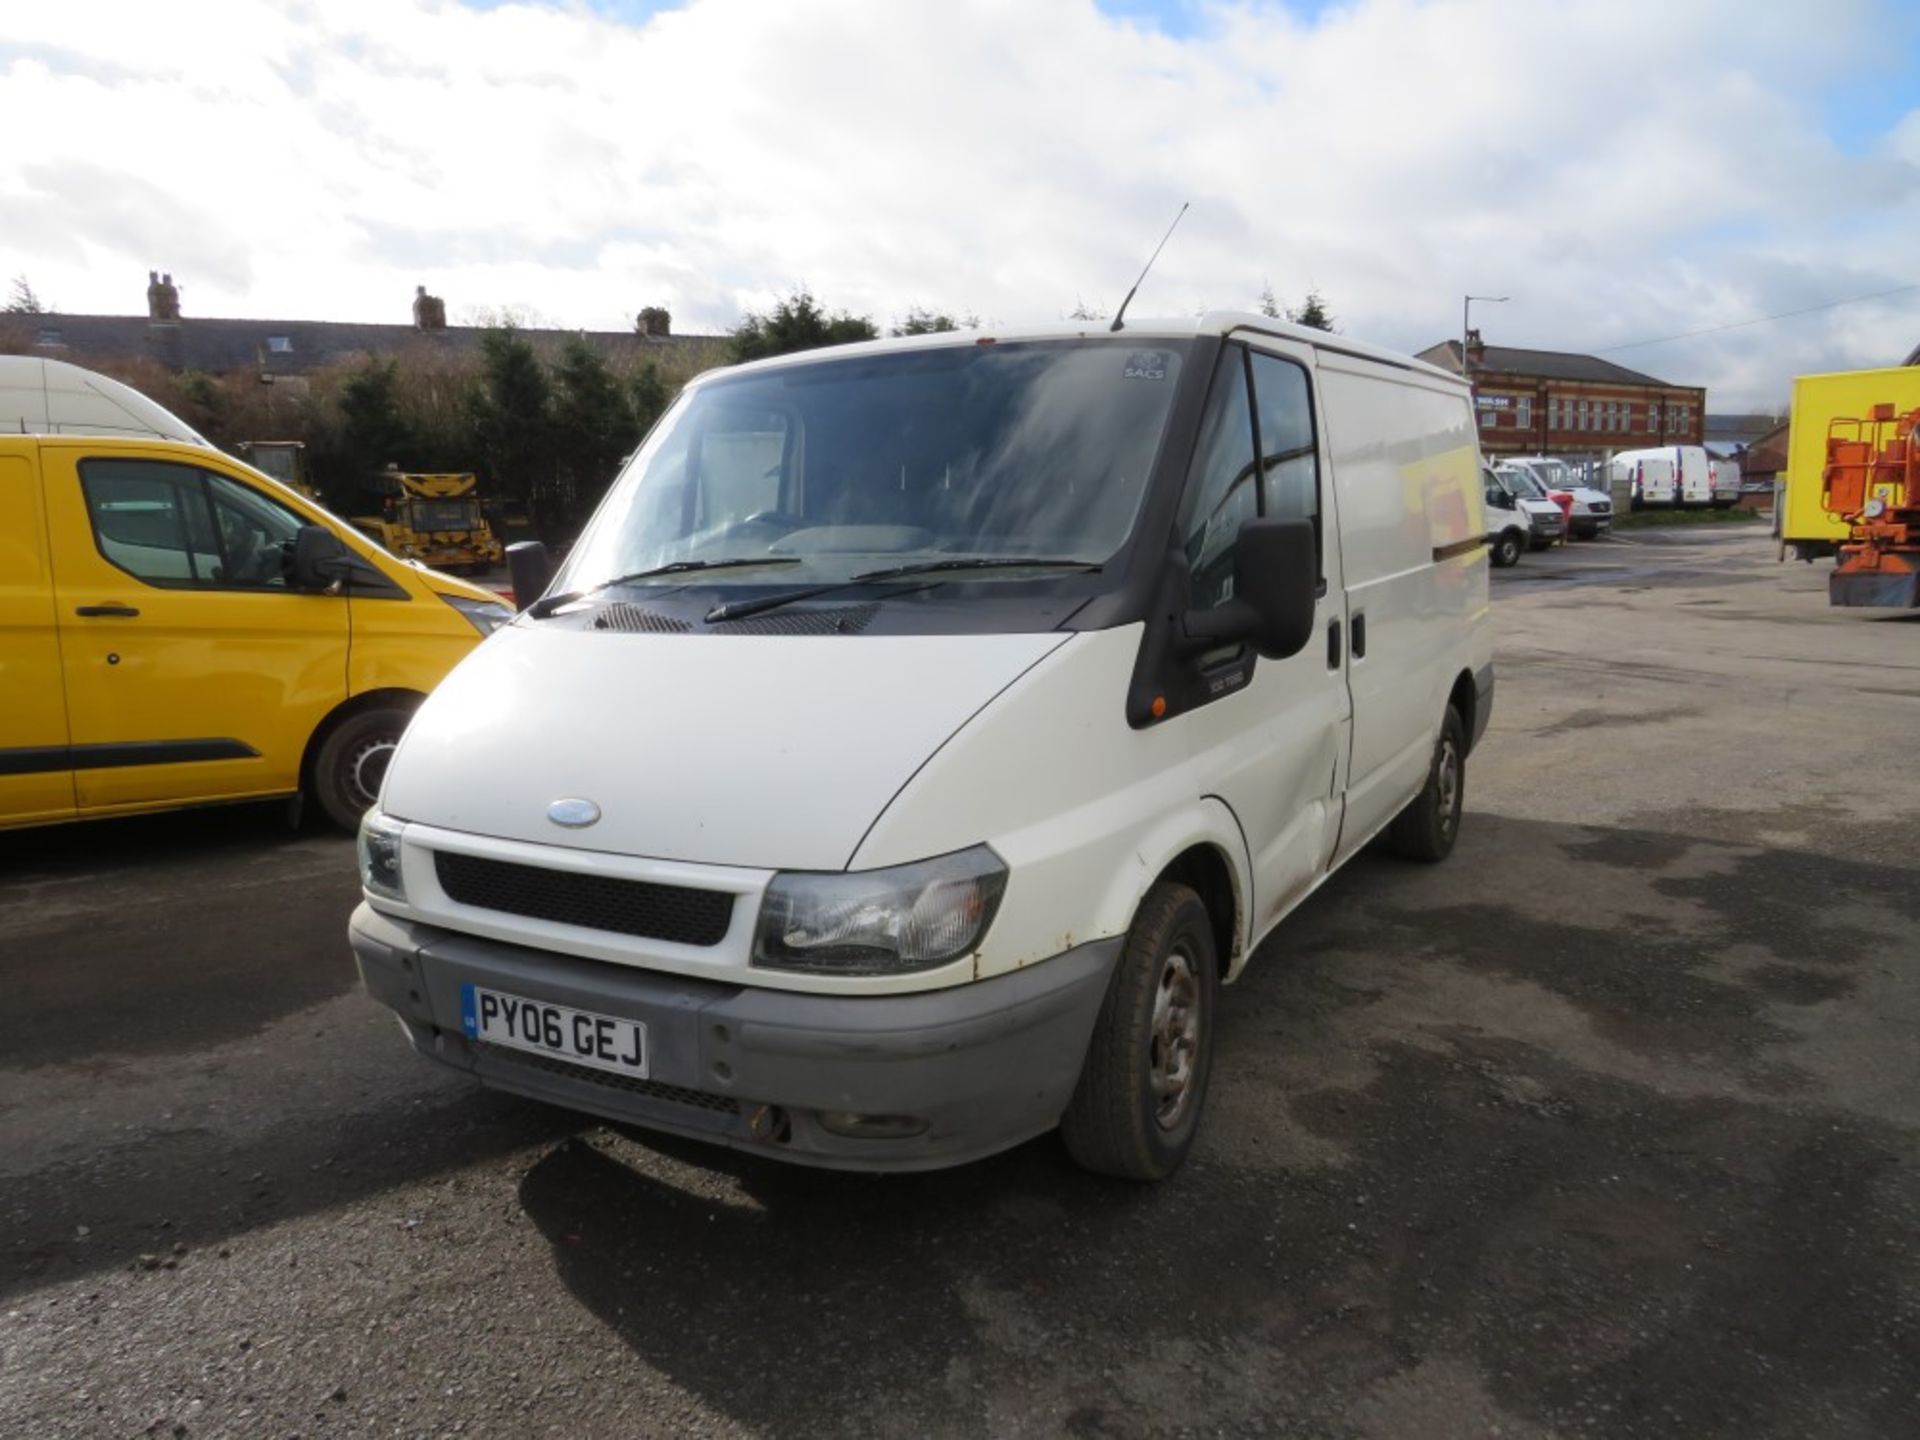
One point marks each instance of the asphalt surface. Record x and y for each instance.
(1607, 1126)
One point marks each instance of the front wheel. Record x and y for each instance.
(1507, 548)
(1427, 828)
(1137, 1107)
(352, 762)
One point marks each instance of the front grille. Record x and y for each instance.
(1601, 507)
(677, 913)
(653, 1089)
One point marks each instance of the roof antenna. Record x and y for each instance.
(1121, 313)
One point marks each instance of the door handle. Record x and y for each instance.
(121, 611)
(1359, 637)
(1333, 645)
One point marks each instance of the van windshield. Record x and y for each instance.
(829, 469)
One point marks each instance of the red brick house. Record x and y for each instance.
(1550, 402)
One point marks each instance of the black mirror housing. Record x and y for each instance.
(530, 571)
(1276, 585)
(320, 559)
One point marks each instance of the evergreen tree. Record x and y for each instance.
(1312, 313)
(375, 430)
(796, 323)
(929, 322)
(649, 397)
(593, 422)
(1269, 306)
(512, 413)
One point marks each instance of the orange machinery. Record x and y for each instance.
(1872, 482)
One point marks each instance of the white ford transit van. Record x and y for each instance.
(924, 731)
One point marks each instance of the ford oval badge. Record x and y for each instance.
(574, 814)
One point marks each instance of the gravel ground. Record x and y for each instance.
(1605, 1127)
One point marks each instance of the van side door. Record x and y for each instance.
(194, 671)
(36, 773)
(1272, 741)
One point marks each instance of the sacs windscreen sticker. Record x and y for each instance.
(1146, 365)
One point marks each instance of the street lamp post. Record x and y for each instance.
(1466, 321)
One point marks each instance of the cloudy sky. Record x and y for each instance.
(1625, 170)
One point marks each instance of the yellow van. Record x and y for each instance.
(178, 629)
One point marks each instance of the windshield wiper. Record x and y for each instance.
(545, 606)
(740, 609)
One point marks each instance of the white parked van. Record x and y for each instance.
(1692, 484)
(1509, 533)
(1650, 476)
(1723, 480)
(1591, 514)
(923, 731)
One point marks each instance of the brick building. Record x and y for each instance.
(1550, 402)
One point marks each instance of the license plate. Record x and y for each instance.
(604, 1042)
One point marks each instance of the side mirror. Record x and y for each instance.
(320, 560)
(530, 569)
(1276, 583)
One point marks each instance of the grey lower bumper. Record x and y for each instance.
(984, 1065)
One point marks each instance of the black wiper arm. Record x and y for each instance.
(741, 609)
(545, 606)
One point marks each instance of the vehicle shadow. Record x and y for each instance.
(1390, 1178)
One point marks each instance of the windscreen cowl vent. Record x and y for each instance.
(841, 620)
(635, 620)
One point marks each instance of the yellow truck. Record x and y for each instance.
(284, 460)
(435, 519)
(1808, 530)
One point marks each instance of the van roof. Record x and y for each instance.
(51, 397)
(1214, 322)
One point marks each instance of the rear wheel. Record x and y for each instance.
(1137, 1107)
(1427, 828)
(352, 761)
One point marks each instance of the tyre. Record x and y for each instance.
(1507, 546)
(352, 761)
(1427, 828)
(1137, 1107)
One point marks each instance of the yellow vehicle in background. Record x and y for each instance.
(1808, 529)
(177, 628)
(435, 519)
(284, 460)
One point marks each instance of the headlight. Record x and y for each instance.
(379, 848)
(880, 922)
(486, 616)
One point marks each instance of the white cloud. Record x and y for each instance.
(1624, 169)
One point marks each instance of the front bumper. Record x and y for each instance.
(984, 1065)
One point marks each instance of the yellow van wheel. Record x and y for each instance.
(352, 761)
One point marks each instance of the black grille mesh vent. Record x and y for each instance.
(654, 1089)
(632, 618)
(841, 620)
(676, 913)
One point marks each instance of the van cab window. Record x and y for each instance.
(1289, 465)
(177, 527)
(1223, 482)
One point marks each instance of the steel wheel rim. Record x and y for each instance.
(1175, 1041)
(1449, 784)
(366, 768)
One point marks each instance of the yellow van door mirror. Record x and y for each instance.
(319, 561)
